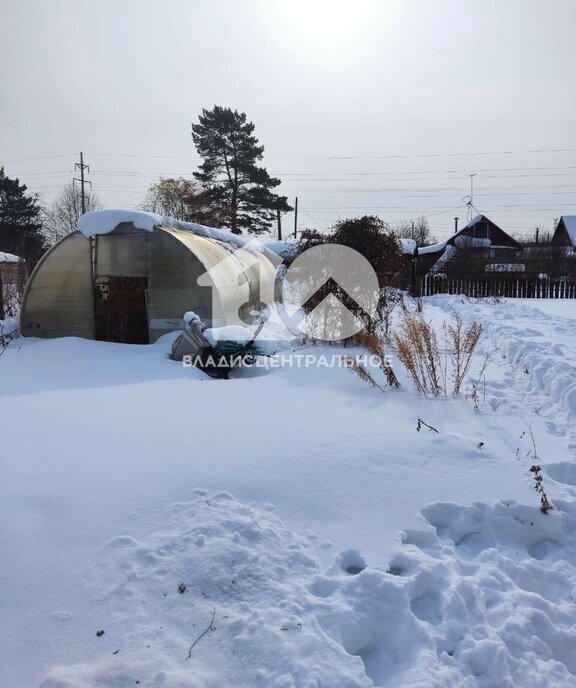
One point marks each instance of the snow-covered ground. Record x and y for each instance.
(561, 307)
(289, 528)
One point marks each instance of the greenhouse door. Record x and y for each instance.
(120, 288)
(120, 310)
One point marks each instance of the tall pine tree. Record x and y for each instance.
(20, 221)
(237, 186)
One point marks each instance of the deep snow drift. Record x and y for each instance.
(292, 520)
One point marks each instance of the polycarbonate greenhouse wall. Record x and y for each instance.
(62, 296)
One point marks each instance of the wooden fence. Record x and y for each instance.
(511, 287)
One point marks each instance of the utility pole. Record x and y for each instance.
(455, 225)
(279, 224)
(413, 229)
(81, 166)
(295, 217)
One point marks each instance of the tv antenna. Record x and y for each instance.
(469, 200)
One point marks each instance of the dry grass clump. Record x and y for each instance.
(415, 344)
(462, 341)
(434, 370)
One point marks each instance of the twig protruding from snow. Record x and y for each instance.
(421, 423)
(210, 628)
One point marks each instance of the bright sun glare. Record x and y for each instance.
(329, 29)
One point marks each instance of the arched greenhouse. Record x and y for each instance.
(129, 277)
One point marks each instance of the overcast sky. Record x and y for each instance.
(380, 107)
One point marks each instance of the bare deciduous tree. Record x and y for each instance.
(419, 230)
(182, 199)
(62, 217)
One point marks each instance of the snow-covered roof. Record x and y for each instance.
(106, 221)
(570, 225)
(9, 258)
(444, 258)
(407, 246)
(505, 267)
(433, 248)
(473, 221)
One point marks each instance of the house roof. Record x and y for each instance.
(433, 248)
(466, 238)
(497, 236)
(473, 221)
(569, 222)
(446, 256)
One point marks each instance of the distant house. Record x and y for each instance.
(565, 233)
(556, 259)
(477, 248)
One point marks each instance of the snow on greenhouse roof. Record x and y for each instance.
(285, 248)
(106, 221)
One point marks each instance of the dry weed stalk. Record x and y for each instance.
(481, 377)
(375, 346)
(416, 346)
(462, 341)
(363, 373)
(545, 505)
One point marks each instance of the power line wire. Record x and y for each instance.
(44, 157)
(352, 157)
